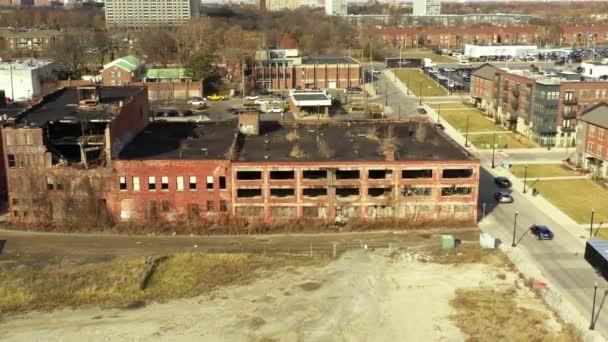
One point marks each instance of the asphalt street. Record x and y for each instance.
(401, 104)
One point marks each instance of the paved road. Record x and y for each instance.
(399, 102)
(531, 156)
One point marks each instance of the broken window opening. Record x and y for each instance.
(248, 193)
(414, 174)
(166, 206)
(410, 191)
(153, 209)
(379, 174)
(192, 184)
(249, 175)
(123, 183)
(456, 191)
(222, 183)
(314, 174)
(164, 183)
(280, 175)
(347, 192)
(210, 206)
(50, 183)
(281, 192)
(378, 192)
(152, 183)
(209, 182)
(193, 211)
(223, 206)
(457, 173)
(11, 161)
(347, 174)
(314, 192)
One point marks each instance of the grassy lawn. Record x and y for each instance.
(424, 53)
(477, 122)
(512, 140)
(542, 170)
(452, 105)
(576, 198)
(417, 81)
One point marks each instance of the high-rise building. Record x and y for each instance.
(277, 5)
(336, 7)
(427, 7)
(144, 13)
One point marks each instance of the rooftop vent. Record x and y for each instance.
(87, 96)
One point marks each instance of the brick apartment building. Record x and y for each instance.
(457, 36)
(286, 69)
(23, 40)
(542, 105)
(592, 140)
(583, 35)
(58, 153)
(123, 71)
(78, 152)
(26, 3)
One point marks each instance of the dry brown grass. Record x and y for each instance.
(469, 253)
(297, 152)
(490, 315)
(116, 282)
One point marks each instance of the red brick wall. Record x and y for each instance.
(124, 78)
(311, 76)
(130, 120)
(582, 103)
(597, 141)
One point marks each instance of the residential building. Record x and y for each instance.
(541, 104)
(23, 80)
(123, 71)
(295, 170)
(456, 37)
(146, 13)
(336, 7)
(440, 20)
(592, 140)
(277, 5)
(28, 39)
(427, 7)
(58, 153)
(285, 69)
(592, 35)
(26, 3)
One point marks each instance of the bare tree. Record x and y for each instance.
(69, 52)
(159, 46)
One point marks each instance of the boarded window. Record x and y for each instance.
(209, 182)
(192, 184)
(12, 161)
(123, 183)
(180, 183)
(164, 183)
(222, 183)
(413, 174)
(136, 183)
(152, 183)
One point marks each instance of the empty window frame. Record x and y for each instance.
(378, 192)
(222, 183)
(223, 206)
(457, 173)
(314, 192)
(210, 206)
(379, 174)
(456, 191)
(248, 193)
(282, 192)
(281, 175)
(153, 209)
(347, 192)
(136, 186)
(209, 182)
(180, 183)
(314, 174)
(410, 191)
(249, 175)
(152, 183)
(192, 183)
(347, 174)
(193, 211)
(50, 183)
(12, 162)
(164, 183)
(123, 183)
(166, 206)
(416, 174)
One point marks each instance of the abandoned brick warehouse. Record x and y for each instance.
(103, 155)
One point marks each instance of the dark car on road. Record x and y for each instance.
(353, 90)
(440, 126)
(421, 110)
(541, 232)
(502, 182)
(503, 197)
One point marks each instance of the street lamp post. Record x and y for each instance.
(514, 228)
(466, 134)
(525, 176)
(591, 225)
(420, 93)
(592, 326)
(439, 112)
(493, 149)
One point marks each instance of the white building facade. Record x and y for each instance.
(23, 80)
(427, 7)
(145, 13)
(336, 7)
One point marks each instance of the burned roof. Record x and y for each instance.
(62, 106)
(181, 140)
(295, 141)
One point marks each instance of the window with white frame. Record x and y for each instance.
(180, 183)
(135, 183)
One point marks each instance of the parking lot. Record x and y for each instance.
(455, 79)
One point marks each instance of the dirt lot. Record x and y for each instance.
(414, 293)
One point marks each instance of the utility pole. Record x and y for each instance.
(466, 134)
(242, 78)
(371, 62)
(525, 176)
(592, 326)
(514, 228)
(493, 149)
(591, 225)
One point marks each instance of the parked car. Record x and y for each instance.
(541, 232)
(215, 98)
(353, 90)
(277, 101)
(421, 110)
(502, 182)
(264, 92)
(251, 97)
(503, 197)
(275, 110)
(440, 126)
(375, 71)
(186, 112)
(261, 101)
(202, 118)
(196, 101)
(171, 113)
